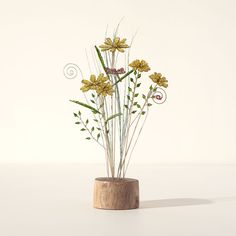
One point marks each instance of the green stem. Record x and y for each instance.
(123, 77)
(85, 126)
(128, 124)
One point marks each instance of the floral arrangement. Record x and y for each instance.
(118, 108)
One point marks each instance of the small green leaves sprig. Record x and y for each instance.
(132, 96)
(93, 131)
(142, 110)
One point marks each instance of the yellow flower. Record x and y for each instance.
(116, 44)
(140, 65)
(105, 89)
(93, 82)
(159, 79)
(88, 85)
(99, 84)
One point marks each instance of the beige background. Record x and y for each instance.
(191, 42)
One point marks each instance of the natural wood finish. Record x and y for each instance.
(116, 194)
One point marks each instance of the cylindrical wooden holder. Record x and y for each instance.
(116, 194)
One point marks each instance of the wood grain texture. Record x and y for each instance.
(116, 194)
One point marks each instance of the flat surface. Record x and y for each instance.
(56, 199)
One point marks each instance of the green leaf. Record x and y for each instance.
(149, 104)
(100, 58)
(92, 129)
(92, 101)
(130, 89)
(77, 123)
(144, 96)
(95, 120)
(87, 121)
(112, 117)
(138, 85)
(139, 75)
(138, 106)
(128, 97)
(143, 112)
(75, 115)
(151, 88)
(135, 103)
(123, 77)
(88, 138)
(86, 105)
(132, 80)
(98, 128)
(134, 112)
(79, 113)
(82, 129)
(126, 106)
(98, 136)
(136, 95)
(93, 95)
(155, 89)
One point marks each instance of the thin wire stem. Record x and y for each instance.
(126, 167)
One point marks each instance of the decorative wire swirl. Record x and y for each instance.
(70, 71)
(159, 96)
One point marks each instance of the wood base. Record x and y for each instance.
(116, 194)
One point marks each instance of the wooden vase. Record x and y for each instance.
(116, 193)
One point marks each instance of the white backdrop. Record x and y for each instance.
(191, 42)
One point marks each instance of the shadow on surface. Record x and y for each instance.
(174, 202)
(224, 199)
